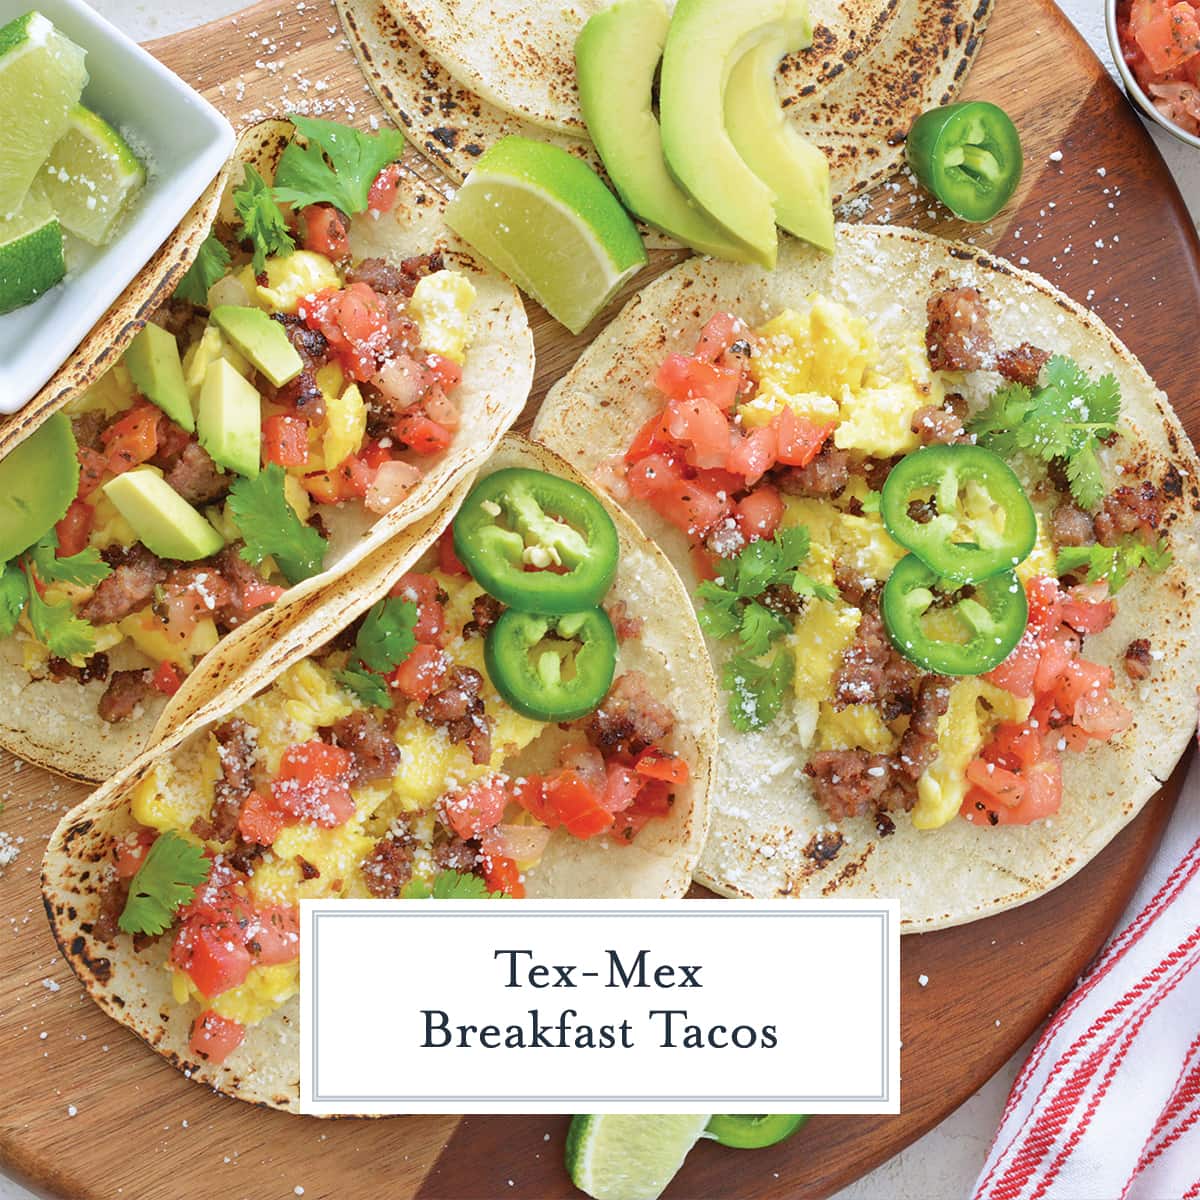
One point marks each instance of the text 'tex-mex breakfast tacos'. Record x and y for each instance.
(941, 531)
(451, 739)
(334, 362)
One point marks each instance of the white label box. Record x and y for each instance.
(596, 1006)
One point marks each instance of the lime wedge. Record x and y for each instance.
(546, 220)
(42, 75)
(31, 252)
(627, 1157)
(91, 177)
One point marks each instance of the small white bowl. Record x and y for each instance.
(183, 141)
(1133, 88)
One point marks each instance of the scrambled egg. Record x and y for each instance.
(111, 394)
(289, 280)
(149, 635)
(256, 997)
(345, 425)
(441, 305)
(822, 633)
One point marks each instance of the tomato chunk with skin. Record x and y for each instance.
(285, 441)
(476, 809)
(273, 935)
(684, 378)
(214, 1038)
(312, 784)
(212, 955)
(133, 439)
(420, 674)
(577, 805)
(686, 503)
(1170, 38)
(501, 874)
(658, 764)
(167, 678)
(382, 196)
(423, 591)
(325, 230)
(759, 513)
(260, 821)
(73, 530)
(797, 440)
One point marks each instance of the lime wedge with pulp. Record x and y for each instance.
(91, 177)
(31, 252)
(42, 75)
(629, 1157)
(546, 220)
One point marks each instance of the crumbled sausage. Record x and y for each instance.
(388, 867)
(196, 477)
(459, 707)
(872, 671)
(1071, 526)
(485, 612)
(938, 426)
(958, 337)
(376, 755)
(130, 586)
(826, 476)
(126, 690)
(630, 719)
(1129, 510)
(1138, 659)
(1023, 364)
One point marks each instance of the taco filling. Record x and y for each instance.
(901, 561)
(402, 759)
(282, 403)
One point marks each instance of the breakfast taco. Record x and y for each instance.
(459, 75)
(334, 361)
(517, 703)
(941, 530)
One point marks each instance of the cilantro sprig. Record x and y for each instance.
(732, 606)
(449, 885)
(86, 568)
(210, 264)
(271, 528)
(1114, 563)
(168, 878)
(337, 166)
(384, 640)
(262, 222)
(1066, 417)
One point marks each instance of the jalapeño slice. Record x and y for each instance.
(942, 492)
(752, 1133)
(537, 542)
(552, 668)
(967, 632)
(968, 155)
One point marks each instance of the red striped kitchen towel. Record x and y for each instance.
(1107, 1107)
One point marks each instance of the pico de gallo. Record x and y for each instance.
(290, 389)
(904, 580)
(1161, 43)
(390, 764)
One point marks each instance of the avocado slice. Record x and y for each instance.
(153, 362)
(229, 419)
(616, 57)
(38, 481)
(165, 523)
(263, 341)
(793, 167)
(706, 40)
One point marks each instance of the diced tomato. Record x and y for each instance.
(476, 808)
(354, 322)
(701, 428)
(353, 478)
(1006, 786)
(1170, 37)
(621, 786)
(1045, 604)
(448, 561)
(285, 441)
(652, 438)
(133, 439)
(312, 784)
(704, 562)
(273, 936)
(587, 762)
(502, 874)
(374, 453)
(658, 764)
(530, 793)
(576, 805)
(722, 330)
(258, 595)
(423, 591)
(1041, 798)
(131, 855)
(753, 454)
(324, 230)
(1057, 651)
(167, 678)
(442, 372)
(260, 822)
(1015, 747)
(420, 434)
(1088, 609)
(93, 466)
(759, 513)
(420, 674)
(683, 378)
(1079, 678)
(74, 528)
(1101, 716)
(215, 1038)
(213, 955)
(654, 800)
(686, 503)
(321, 486)
(797, 440)
(1017, 672)
(382, 195)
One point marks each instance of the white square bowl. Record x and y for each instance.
(183, 142)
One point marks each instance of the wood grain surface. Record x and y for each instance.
(89, 1112)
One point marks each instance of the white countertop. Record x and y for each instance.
(944, 1163)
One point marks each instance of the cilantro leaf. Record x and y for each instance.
(385, 639)
(14, 594)
(262, 222)
(210, 264)
(337, 166)
(86, 568)
(172, 871)
(58, 628)
(1066, 417)
(271, 528)
(756, 690)
(370, 688)
(449, 885)
(760, 628)
(1114, 563)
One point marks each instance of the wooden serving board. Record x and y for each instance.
(90, 1112)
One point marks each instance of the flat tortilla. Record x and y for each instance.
(134, 988)
(56, 725)
(770, 838)
(460, 74)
